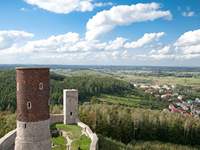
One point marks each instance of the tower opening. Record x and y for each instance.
(29, 105)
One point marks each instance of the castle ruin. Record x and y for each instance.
(70, 106)
(33, 131)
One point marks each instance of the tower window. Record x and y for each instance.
(29, 105)
(41, 86)
(70, 113)
(17, 86)
(25, 126)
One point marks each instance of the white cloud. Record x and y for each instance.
(188, 13)
(63, 6)
(116, 44)
(189, 38)
(13, 38)
(186, 47)
(100, 4)
(71, 48)
(146, 39)
(106, 20)
(71, 45)
(164, 52)
(53, 44)
(188, 44)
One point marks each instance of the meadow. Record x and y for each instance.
(133, 101)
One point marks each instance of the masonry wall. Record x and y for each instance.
(8, 141)
(56, 118)
(70, 106)
(90, 134)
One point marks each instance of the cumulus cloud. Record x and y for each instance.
(13, 38)
(72, 45)
(146, 39)
(107, 20)
(79, 50)
(188, 13)
(116, 44)
(63, 6)
(189, 44)
(164, 52)
(53, 44)
(189, 38)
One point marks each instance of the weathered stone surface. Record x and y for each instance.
(33, 121)
(33, 135)
(90, 134)
(56, 118)
(70, 106)
(32, 89)
(8, 141)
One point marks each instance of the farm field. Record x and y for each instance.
(133, 101)
(172, 80)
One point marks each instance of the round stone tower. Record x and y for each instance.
(33, 131)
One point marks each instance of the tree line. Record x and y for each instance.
(88, 85)
(126, 124)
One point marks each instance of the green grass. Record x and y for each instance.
(73, 130)
(83, 142)
(74, 133)
(133, 101)
(60, 143)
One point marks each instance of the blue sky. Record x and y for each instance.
(35, 32)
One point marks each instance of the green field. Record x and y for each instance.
(74, 133)
(133, 101)
(172, 80)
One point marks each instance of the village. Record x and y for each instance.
(177, 103)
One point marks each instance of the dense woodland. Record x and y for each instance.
(87, 86)
(126, 124)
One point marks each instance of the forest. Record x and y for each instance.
(127, 124)
(87, 86)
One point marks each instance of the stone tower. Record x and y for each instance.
(70, 106)
(33, 131)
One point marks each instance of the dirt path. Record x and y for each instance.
(69, 141)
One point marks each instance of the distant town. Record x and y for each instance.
(178, 103)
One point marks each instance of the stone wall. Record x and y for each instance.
(8, 141)
(56, 118)
(90, 134)
(33, 135)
